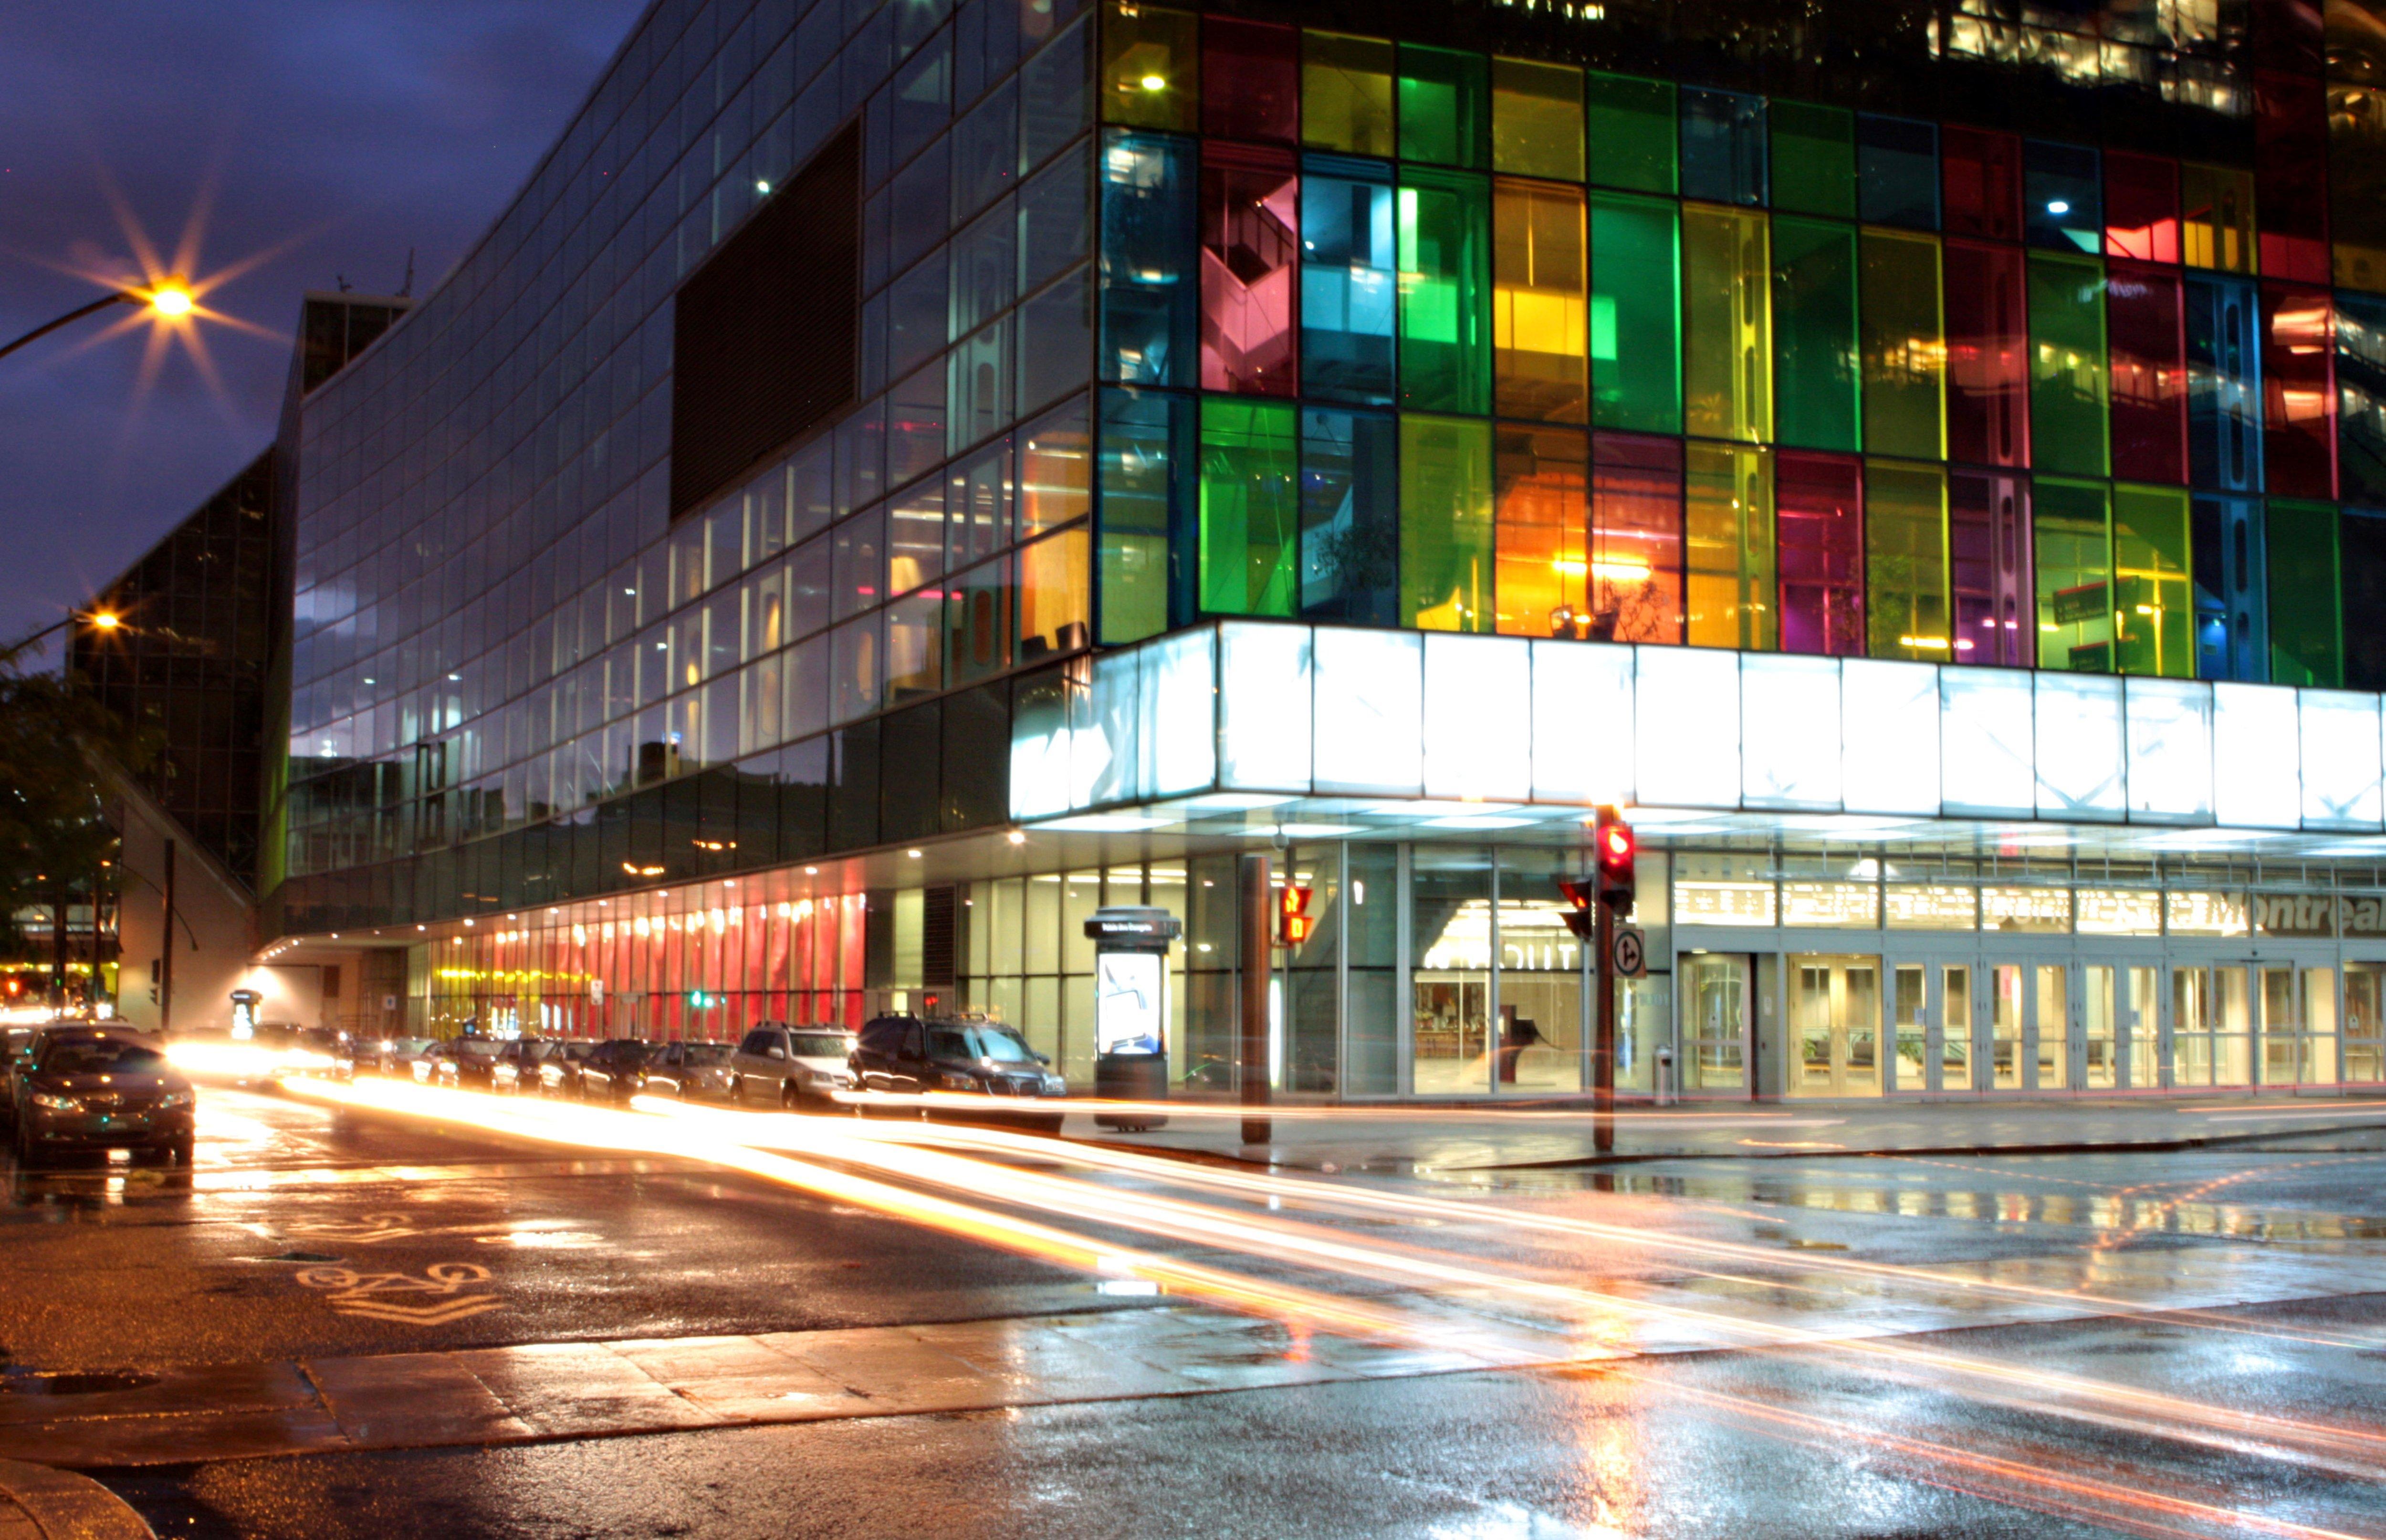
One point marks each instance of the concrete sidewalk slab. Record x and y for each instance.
(38, 1503)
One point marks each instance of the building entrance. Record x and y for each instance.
(1716, 1008)
(1835, 1015)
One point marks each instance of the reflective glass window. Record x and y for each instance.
(977, 623)
(1722, 147)
(1990, 570)
(1536, 120)
(1350, 281)
(1054, 598)
(915, 424)
(1980, 183)
(2063, 196)
(986, 152)
(1906, 561)
(1060, 320)
(1541, 492)
(2291, 159)
(1897, 171)
(1815, 354)
(1150, 73)
(1146, 465)
(1634, 133)
(1901, 335)
(859, 574)
(1814, 159)
(915, 537)
(1055, 469)
(1053, 105)
(1537, 318)
(2154, 612)
(2072, 539)
(1055, 215)
(2216, 217)
(1727, 324)
(2224, 383)
(1346, 94)
(1443, 233)
(978, 503)
(985, 271)
(1149, 305)
(1635, 348)
(1444, 100)
(915, 646)
(2069, 380)
(1987, 355)
(2141, 207)
(1636, 560)
(1250, 202)
(1349, 517)
(1818, 502)
(2144, 323)
(2298, 392)
(1250, 81)
(2361, 398)
(2306, 626)
(1446, 516)
(1727, 540)
(1251, 518)
(978, 388)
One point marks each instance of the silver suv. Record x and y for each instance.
(791, 1065)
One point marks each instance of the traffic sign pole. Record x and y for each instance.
(1602, 1048)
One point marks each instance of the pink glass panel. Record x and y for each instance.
(1988, 360)
(2142, 326)
(1636, 537)
(1818, 503)
(2298, 393)
(1251, 256)
(2141, 207)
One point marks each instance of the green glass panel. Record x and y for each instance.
(1903, 338)
(1146, 452)
(1445, 105)
(2306, 626)
(1346, 94)
(1150, 68)
(2154, 618)
(1814, 159)
(1251, 507)
(1728, 528)
(1905, 561)
(1814, 355)
(1635, 319)
(1633, 132)
(2069, 382)
(1727, 324)
(2071, 530)
(1536, 120)
(1444, 237)
(1445, 523)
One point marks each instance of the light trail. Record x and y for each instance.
(2138, 1413)
(1297, 1112)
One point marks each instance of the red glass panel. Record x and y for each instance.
(1981, 182)
(2291, 176)
(1636, 537)
(1988, 358)
(1250, 81)
(1818, 501)
(2288, 36)
(2298, 393)
(2141, 207)
(1250, 254)
(2143, 322)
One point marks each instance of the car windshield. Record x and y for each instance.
(993, 1043)
(101, 1055)
(819, 1045)
(708, 1053)
(476, 1048)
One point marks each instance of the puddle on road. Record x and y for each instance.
(33, 1381)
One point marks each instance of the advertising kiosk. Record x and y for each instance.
(1130, 1008)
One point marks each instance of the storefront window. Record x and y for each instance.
(1541, 992)
(1451, 984)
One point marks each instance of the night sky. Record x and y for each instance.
(326, 136)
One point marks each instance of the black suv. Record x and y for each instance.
(961, 1056)
(611, 1071)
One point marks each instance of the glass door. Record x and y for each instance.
(1835, 1022)
(2211, 1028)
(2365, 1022)
(2005, 1013)
(1954, 1028)
(2098, 1053)
(1714, 1023)
(2049, 1028)
(2142, 1023)
(1910, 1027)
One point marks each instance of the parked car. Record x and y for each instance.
(791, 1065)
(90, 1089)
(960, 1056)
(558, 1072)
(692, 1072)
(460, 1064)
(516, 1070)
(16, 1047)
(610, 1071)
(391, 1056)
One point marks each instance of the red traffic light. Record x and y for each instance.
(1614, 847)
(1293, 924)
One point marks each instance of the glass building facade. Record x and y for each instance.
(1993, 344)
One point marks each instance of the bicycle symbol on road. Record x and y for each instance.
(369, 1295)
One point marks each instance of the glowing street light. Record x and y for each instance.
(169, 300)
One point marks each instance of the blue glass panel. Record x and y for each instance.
(1151, 299)
(1722, 147)
(1349, 281)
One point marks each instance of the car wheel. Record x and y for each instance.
(736, 1091)
(183, 1151)
(789, 1097)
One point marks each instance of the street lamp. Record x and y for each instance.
(169, 299)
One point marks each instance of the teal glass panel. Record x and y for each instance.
(2069, 381)
(1349, 518)
(1634, 133)
(1445, 105)
(1250, 513)
(1349, 281)
(1814, 159)
(1444, 232)
(1635, 313)
(1722, 147)
(1817, 395)
(1151, 297)
(1145, 491)
(1445, 530)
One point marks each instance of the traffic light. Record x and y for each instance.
(1612, 847)
(1293, 924)
(1582, 915)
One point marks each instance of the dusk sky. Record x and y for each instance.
(327, 136)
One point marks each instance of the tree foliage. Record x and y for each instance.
(55, 830)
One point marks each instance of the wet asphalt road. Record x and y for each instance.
(108, 1271)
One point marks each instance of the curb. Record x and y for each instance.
(63, 1506)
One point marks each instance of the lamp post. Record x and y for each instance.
(169, 300)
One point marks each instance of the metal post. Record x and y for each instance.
(166, 949)
(1602, 1048)
(1258, 962)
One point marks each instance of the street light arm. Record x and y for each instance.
(101, 303)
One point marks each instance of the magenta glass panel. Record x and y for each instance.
(1988, 358)
(1250, 254)
(2142, 326)
(1250, 81)
(1636, 537)
(1988, 535)
(2291, 176)
(1980, 183)
(2141, 207)
(2298, 393)
(1818, 506)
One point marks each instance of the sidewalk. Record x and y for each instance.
(37, 1503)
(1529, 1134)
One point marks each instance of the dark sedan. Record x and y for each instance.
(87, 1090)
(985, 1061)
(613, 1072)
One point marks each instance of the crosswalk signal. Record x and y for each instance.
(1581, 896)
(1613, 847)
(1293, 924)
